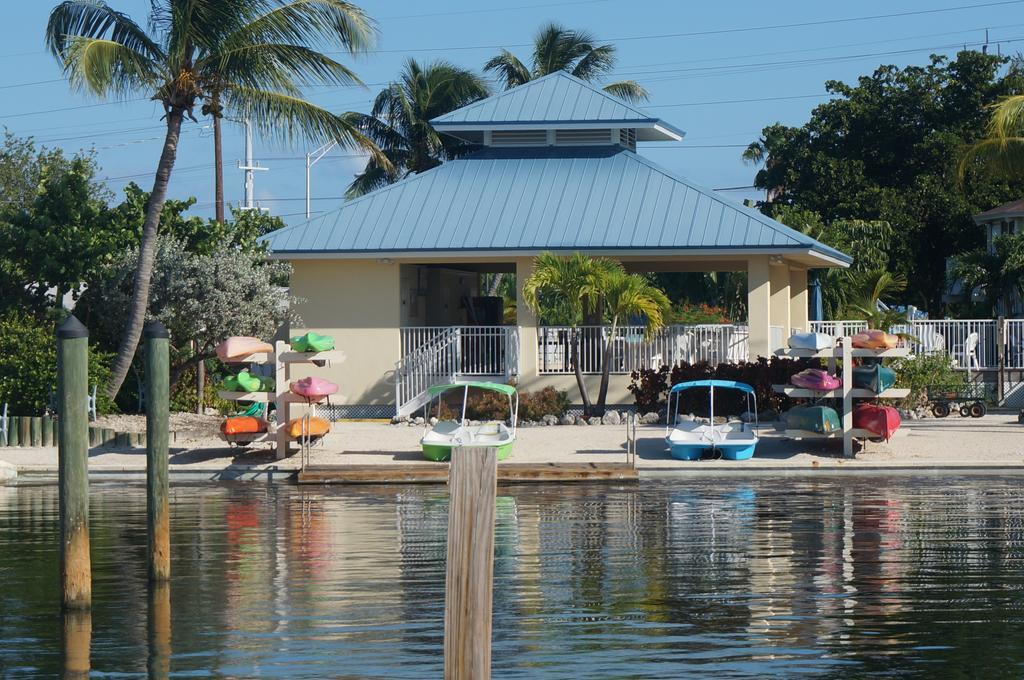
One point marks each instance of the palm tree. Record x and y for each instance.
(1002, 149)
(999, 273)
(627, 296)
(250, 56)
(867, 290)
(399, 122)
(572, 285)
(556, 48)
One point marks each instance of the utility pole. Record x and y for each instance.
(311, 159)
(249, 167)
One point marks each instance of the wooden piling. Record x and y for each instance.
(48, 431)
(73, 462)
(35, 428)
(13, 427)
(95, 436)
(77, 635)
(158, 663)
(107, 437)
(25, 430)
(472, 487)
(157, 425)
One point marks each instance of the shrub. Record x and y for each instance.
(486, 405)
(650, 387)
(183, 393)
(922, 371)
(686, 313)
(28, 366)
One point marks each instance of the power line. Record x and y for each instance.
(76, 108)
(491, 10)
(720, 31)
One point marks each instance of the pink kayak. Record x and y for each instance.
(816, 379)
(237, 347)
(313, 388)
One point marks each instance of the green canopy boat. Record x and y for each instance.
(438, 441)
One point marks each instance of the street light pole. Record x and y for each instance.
(311, 159)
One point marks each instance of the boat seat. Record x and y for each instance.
(446, 427)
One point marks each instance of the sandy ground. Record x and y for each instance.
(995, 440)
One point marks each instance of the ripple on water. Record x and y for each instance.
(732, 578)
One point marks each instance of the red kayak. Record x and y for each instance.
(815, 379)
(880, 420)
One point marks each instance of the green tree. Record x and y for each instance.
(627, 297)
(201, 297)
(250, 56)
(59, 240)
(399, 123)
(867, 290)
(198, 235)
(888, 149)
(556, 48)
(998, 274)
(577, 286)
(569, 287)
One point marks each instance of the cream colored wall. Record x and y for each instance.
(798, 299)
(759, 307)
(778, 274)
(359, 303)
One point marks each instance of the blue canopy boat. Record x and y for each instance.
(689, 440)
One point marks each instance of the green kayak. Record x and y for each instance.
(312, 342)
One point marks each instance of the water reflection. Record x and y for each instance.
(781, 577)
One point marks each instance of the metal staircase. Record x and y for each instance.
(449, 354)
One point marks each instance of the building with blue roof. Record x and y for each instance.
(396, 274)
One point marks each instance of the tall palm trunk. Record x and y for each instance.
(606, 365)
(574, 357)
(218, 170)
(147, 251)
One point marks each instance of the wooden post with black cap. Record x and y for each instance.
(158, 521)
(73, 462)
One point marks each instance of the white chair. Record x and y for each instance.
(966, 354)
(683, 350)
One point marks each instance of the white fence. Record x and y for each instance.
(970, 343)
(479, 350)
(1013, 337)
(630, 350)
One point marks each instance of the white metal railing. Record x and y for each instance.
(434, 363)
(1013, 337)
(481, 350)
(970, 343)
(630, 350)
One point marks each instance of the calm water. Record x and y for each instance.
(848, 577)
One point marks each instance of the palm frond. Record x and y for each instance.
(595, 62)
(1007, 118)
(755, 153)
(287, 118)
(1003, 156)
(383, 135)
(629, 90)
(549, 47)
(310, 22)
(372, 177)
(107, 67)
(276, 66)
(510, 71)
(94, 19)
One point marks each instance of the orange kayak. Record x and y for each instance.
(313, 427)
(243, 425)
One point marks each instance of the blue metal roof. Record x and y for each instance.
(556, 98)
(542, 198)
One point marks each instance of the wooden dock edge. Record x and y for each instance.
(438, 474)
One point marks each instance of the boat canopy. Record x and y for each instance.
(727, 384)
(493, 387)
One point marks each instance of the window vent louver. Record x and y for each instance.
(519, 138)
(576, 137)
(627, 138)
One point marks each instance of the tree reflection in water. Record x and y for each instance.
(783, 576)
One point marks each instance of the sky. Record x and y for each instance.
(721, 71)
